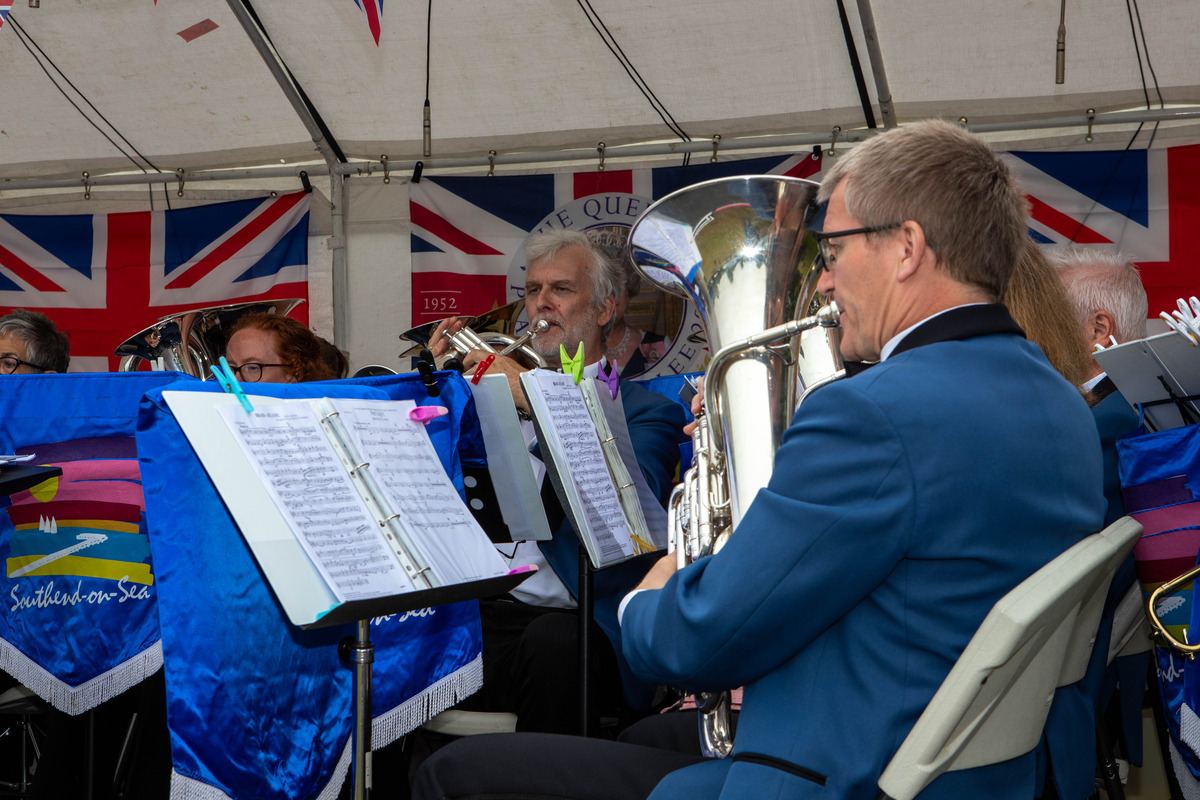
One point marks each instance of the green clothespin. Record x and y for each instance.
(572, 366)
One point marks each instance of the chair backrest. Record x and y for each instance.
(1087, 624)
(993, 704)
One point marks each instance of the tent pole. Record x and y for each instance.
(339, 194)
(286, 83)
(875, 56)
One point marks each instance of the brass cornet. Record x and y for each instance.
(491, 332)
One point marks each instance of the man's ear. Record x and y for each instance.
(1101, 325)
(915, 250)
(606, 314)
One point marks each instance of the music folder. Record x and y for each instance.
(1160, 372)
(590, 461)
(507, 490)
(343, 503)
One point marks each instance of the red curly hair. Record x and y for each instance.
(298, 347)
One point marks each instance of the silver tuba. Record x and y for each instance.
(192, 341)
(739, 248)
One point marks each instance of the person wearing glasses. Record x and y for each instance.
(904, 502)
(266, 348)
(31, 343)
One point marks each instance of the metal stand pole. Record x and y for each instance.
(586, 611)
(361, 653)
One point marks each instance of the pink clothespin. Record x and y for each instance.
(424, 414)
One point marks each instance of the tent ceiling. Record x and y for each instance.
(517, 75)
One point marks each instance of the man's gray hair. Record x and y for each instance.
(949, 181)
(606, 275)
(45, 345)
(1103, 280)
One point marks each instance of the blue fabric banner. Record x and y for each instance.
(257, 707)
(79, 623)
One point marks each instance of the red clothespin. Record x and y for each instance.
(482, 368)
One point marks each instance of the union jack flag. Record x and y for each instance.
(466, 232)
(374, 11)
(5, 7)
(104, 277)
(1143, 202)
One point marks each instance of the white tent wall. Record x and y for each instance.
(379, 301)
(525, 75)
(182, 83)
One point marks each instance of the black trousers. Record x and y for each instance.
(531, 667)
(531, 766)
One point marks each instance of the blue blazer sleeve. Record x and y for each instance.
(729, 619)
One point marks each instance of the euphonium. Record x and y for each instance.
(192, 341)
(740, 250)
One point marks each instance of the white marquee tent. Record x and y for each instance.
(241, 95)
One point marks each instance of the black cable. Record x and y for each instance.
(428, 38)
(27, 40)
(856, 66)
(1157, 91)
(614, 48)
(611, 43)
(1137, 51)
(1131, 8)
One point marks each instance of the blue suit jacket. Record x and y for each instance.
(905, 502)
(656, 430)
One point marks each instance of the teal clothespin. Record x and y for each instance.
(230, 384)
(572, 366)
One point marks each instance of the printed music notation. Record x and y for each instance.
(304, 476)
(569, 440)
(412, 479)
(341, 536)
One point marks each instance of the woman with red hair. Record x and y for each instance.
(266, 348)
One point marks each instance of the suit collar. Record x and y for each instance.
(1104, 388)
(965, 322)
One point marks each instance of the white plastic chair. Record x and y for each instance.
(993, 704)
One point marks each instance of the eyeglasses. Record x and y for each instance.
(9, 365)
(829, 255)
(251, 372)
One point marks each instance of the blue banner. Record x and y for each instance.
(257, 707)
(79, 623)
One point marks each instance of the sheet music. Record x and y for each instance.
(304, 476)
(569, 434)
(407, 469)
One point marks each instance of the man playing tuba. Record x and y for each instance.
(905, 501)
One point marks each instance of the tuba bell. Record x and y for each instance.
(191, 341)
(740, 250)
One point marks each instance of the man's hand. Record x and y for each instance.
(502, 365)
(697, 406)
(439, 345)
(657, 577)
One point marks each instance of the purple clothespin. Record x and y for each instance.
(607, 372)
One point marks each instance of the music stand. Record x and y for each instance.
(18, 477)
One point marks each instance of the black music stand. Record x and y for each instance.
(18, 477)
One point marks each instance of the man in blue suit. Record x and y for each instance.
(530, 648)
(904, 503)
(1111, 304)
